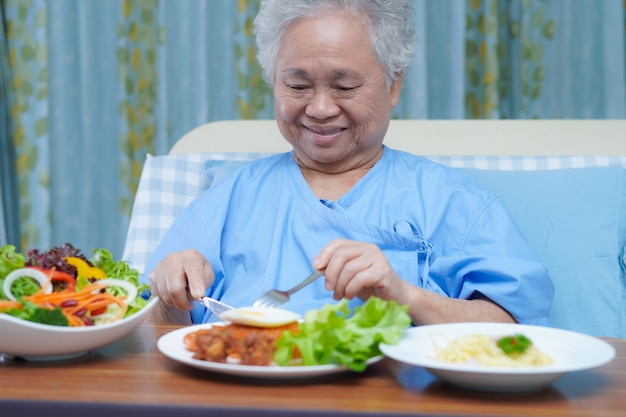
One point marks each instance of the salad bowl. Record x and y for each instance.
(35, 341)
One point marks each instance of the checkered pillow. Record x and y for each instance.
(167, 185)
(528, 163)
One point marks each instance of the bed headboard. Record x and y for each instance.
(433, 137)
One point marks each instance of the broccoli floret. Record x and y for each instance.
(49, 316)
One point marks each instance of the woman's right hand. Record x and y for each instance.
(181, 277)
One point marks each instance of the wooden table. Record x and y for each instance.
(132, 378)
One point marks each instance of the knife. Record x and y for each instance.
(216, 307)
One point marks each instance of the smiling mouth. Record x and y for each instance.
(325, 131)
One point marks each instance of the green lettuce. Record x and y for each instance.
(331, 336)
(103, 259)
(10, 259)
(32, 312)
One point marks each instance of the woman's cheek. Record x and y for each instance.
(286, 109)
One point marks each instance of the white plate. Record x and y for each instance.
(172, 346)
(571, 351)
(35, 341)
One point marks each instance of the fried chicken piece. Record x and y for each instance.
(246, 344)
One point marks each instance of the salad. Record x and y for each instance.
(63, 287)
(331, 335)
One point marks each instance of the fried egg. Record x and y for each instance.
(260, 317)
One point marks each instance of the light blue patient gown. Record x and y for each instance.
(261, 227)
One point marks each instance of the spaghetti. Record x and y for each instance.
(484, 349)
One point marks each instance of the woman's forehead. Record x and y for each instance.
(326, 37)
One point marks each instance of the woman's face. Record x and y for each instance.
(332, 102)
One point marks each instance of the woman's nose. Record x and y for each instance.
(322, 106)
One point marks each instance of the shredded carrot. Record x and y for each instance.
(88, 299)
(74, 321)
(65, 295)
(8, 305)
(97, 302)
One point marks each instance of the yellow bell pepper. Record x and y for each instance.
(84, 269)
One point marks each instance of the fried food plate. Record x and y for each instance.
(172, 345)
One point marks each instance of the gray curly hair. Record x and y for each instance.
(390, 21)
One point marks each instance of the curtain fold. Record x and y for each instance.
(9, 210)
(89, 87)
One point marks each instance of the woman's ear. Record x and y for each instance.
(394, 91)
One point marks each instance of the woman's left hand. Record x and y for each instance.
(357, 269)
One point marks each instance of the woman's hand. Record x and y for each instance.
(357, 269)
(181, 277)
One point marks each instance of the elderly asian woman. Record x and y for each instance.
(377, 221)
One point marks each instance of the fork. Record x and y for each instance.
(276, 298)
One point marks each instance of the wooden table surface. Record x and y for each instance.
(131, 377)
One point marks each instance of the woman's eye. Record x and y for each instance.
(298, 87)
(345, 88)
